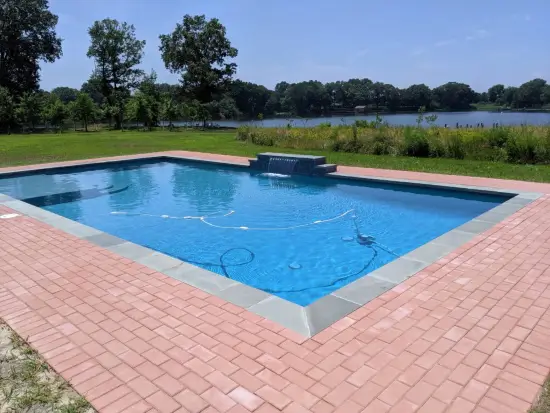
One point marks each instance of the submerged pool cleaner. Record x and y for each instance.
(368, 240)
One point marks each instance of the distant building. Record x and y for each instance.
(360, 109)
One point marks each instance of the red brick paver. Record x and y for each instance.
(468, 333)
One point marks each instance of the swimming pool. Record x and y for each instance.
(297, 238)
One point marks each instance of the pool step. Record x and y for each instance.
(326, 168)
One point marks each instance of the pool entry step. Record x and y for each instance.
(288, 164)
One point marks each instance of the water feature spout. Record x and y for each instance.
(283, 166)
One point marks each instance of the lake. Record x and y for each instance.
(448, 118)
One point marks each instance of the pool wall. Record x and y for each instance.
(322, 313)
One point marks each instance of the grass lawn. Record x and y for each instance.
(39, 148)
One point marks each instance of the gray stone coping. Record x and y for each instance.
(290, 155)
(322, 313)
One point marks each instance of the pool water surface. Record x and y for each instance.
(298, 238)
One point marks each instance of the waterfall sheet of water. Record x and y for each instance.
(281, 166)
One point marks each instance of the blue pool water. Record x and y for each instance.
(285, 250)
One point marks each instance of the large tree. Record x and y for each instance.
(530, 93)
(199, 50)
(417, 96)
(7, 109)
(27, 36)
(93, 88)
(29, 109)
(117, 53)
(496, 93)
(83, 109)
(454, 96)
(66, 94)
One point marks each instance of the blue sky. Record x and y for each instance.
(481, 42)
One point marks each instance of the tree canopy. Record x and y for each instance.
(66, 94)
(198, 49)
(116, 53)
(27, 36)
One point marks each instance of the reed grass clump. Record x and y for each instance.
(514, 144)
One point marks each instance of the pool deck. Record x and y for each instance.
(468, 333)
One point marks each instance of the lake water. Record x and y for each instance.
(449, 118)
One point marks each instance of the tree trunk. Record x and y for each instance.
(85, 125)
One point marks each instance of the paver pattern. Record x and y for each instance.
(469, 333)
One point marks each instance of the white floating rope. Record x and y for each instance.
(203, 219)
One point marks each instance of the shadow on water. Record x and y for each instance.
(72, 196)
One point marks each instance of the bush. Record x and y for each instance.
(504, 144)
(455, 147)
(243, 133)
(416, 143)
(498, 137)
(521, 147)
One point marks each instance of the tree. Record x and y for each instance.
(379, 96)
(545, 96)
(151, 91)
(393, 97)
(169, 109)
(198, 49)
(138, 108)
(29, 109)
(116, 53)
(454, 96)
(529, 94)
(55, 112)
(496, 93)
(83, 108)
(509, 96)
(72, 113)
(27, 36)
(93, 88)
(250, 98)
(66, 94)
(7, 109)
(417, 96)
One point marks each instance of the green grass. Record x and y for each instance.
(40, 148)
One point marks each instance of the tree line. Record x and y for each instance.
(198, 49)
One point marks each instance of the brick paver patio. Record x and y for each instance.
(467, 334)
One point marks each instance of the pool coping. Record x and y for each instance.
(306, 321)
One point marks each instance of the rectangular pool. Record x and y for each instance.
(298, 238)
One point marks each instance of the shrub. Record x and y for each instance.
(526, 144)
(416, 142)
(455, 147)
(437, 147)
(243, 133)
(542, 149)
(521, 147)
(498, 137)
